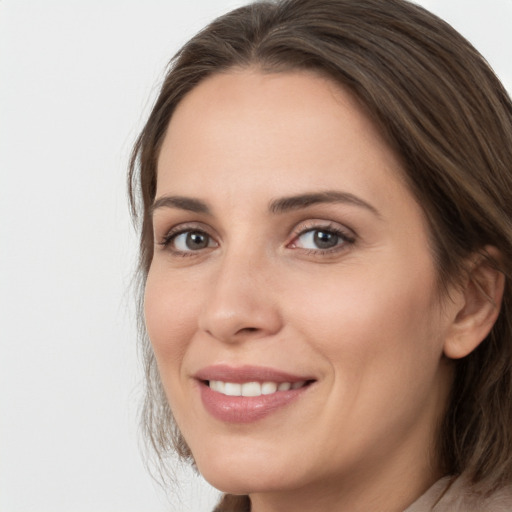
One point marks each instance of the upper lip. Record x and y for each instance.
(247, 373)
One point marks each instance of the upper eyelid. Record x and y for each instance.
(313, 224)
(185, 226)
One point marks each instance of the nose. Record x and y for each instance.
(240, 303)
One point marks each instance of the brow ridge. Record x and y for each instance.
(276, 206)
(181, 203)
(285, 204)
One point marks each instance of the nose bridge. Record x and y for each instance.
(239, 302)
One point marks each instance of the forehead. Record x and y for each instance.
(297, 130)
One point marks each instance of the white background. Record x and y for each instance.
(76, 82)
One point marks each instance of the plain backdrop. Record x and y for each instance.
(77, 79)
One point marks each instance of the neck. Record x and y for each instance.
(381, 496)
(383, 484)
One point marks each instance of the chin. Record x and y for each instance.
(246, 472)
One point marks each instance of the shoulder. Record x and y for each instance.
(452, 494)
(461, 497)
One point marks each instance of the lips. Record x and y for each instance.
(248, 393)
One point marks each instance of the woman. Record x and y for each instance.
(325, 196)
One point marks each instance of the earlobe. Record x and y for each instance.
(480, 305)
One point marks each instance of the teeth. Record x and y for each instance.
(252, 388)
(267, 388)
(217, 385)
(232, 389)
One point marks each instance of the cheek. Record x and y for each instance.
(381, 338)
(170, 314)
(376, 316)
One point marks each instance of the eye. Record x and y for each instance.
(318, 239)
(187, 241)
(321, 239)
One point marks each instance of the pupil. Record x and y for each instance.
(325, 240)
(196, 240)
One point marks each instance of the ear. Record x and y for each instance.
(478, 304)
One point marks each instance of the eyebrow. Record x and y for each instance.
(286, 204)
(182, 203)
(276, 206)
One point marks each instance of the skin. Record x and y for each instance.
(364, 317)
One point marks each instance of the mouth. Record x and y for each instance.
(247, 394)
(252, 389)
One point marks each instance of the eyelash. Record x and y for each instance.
(345, 237)
(302, 229)
(171, 236)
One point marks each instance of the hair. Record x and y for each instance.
(445, 114)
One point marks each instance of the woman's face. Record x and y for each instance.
(290, 254)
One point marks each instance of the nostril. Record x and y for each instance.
(247, 330)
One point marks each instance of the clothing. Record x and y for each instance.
(450, 494)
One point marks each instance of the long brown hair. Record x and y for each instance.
(444, 113)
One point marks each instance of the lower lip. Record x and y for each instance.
(246, 409)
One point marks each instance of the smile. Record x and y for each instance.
(253, 389)
(246, 394)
